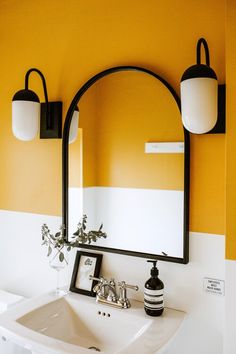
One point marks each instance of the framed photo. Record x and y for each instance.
(86, 264)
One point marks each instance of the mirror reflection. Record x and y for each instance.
(116, 177)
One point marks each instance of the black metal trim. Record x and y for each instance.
(65, 160)
(48, 116)
(186, 194)
(198, 71)
(203, 42)
(25, 95)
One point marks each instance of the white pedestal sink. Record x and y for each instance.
(77, 324)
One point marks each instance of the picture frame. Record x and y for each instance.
(86, 264)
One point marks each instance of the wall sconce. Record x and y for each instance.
(74, 126)
(202, 100)
(26, 111)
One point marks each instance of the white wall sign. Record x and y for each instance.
(214, 286)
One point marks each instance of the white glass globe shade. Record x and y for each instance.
(25, 119)
(199, 104)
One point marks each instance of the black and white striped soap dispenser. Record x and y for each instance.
(154, 293)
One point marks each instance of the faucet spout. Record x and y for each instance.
(110, 292)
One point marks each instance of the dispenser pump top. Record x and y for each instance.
(154, 270)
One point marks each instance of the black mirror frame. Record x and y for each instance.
(65, 163)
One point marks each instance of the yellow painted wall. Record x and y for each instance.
(231, 131)
(72, 40)
(129, 109)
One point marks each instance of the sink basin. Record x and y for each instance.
(84, 324)
(77, 324)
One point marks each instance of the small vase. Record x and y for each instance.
(58, 261)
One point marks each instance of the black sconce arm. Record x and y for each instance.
(203, 42)
(48, 115)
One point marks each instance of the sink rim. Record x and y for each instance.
(33, 340)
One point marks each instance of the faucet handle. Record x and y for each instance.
(123, 300)
(101, 279)
(94, 278)
(123, 285)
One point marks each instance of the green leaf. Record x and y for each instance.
(61, 256)
(49, 251)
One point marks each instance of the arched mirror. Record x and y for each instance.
(128, 167)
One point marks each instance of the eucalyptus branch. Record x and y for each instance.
(80, 236)
(56, 241)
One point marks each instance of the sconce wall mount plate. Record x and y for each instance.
(55, 130)
(220, 127)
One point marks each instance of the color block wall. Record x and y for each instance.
(71, 41)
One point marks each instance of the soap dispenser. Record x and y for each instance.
(154, 293)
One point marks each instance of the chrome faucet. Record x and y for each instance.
(106, 292)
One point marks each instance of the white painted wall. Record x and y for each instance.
(142, 211)
(230, 308)
(24, 266)
(24, 270)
